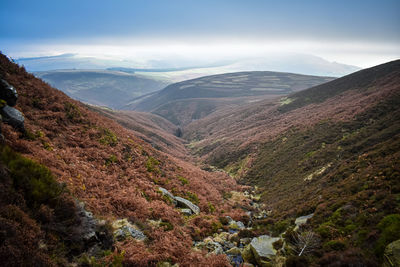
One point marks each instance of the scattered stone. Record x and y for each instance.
(392, 254)
(236, 225)
(187, 204)
(263, 249)
(125, 229)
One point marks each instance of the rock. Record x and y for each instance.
(263, 249)
(236, 225)
(234, 251)
(229, 219)
(8, 93)
(247, 255)
(186, 212)
(214, 247)
(88, 225)
(13, 117)
(125, 229)
(302, 220)
(187, 204)
(166, 193)
(392, 254)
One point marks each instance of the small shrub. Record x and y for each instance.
(72, 112)
(152, 165)
(192, 197)
(108, 137)
(183, 180)
(211, 208)
(35, 180)
(167, 226)
(390, 231)
(112, 159)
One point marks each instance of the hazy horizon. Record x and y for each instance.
(177, 33)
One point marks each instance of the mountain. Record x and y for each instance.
(331, 152)
(194, 99)
(78, 188)
(102, 87)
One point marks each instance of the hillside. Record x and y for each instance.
(151, 128)
(331, 151)
(68, 153)
(102, 87)
(190, 100)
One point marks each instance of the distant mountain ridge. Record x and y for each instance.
(102, 87)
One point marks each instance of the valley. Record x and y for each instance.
(237, 169)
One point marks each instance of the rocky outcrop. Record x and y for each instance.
(8, 93)
(187, 204)
(180, 202)
(8, 99)
(92, 232)
(392, 254)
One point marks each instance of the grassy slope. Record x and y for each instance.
(194, 99)
(114, 172)
(334, 150)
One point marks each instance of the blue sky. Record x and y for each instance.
(29, 28)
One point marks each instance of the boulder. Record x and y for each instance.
(391, 255)
(8, 93)
(13, 117)
(236, 225)
(187, 204)
(247, 255)
(168, 194)
(263, 249)
(302, 220)
(214, 248)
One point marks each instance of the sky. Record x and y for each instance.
(355, 32)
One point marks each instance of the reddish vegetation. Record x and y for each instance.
(243, 129)
(113, 171)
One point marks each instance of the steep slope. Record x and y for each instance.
(116, 174)
(151, 128)
(332, 150)
(102, 87)
(190, 100)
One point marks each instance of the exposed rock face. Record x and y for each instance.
(8, 93)
(392, 254)
(13, 117)
(92, 231)
(263, 249)
(187, 204)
